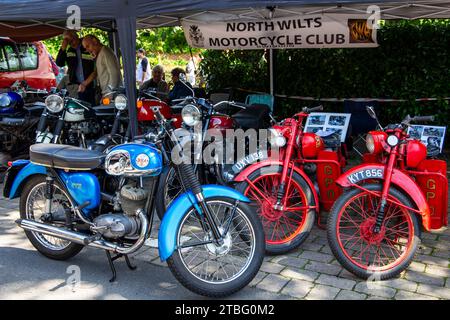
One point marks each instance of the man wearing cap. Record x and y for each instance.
(142, 68)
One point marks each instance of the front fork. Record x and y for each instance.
(385, 191)
(49, 189)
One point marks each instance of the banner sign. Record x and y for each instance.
(310, 31)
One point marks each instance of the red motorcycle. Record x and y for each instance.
(286, 189)
(373, 227)
(149, 99)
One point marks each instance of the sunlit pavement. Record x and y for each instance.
(311, 272)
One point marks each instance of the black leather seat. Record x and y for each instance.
(256, 116)
(65, 157)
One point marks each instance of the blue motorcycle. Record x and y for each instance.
(210, 236)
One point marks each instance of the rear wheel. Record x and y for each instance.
(32, 204)
(367, 254)
(218, 270)
(285, 229)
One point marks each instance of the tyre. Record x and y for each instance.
(287, 229)
(169, 187)
(218, 270)
(32, 203)
(362, 252)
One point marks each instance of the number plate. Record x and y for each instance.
(251, 158)
(368, 173)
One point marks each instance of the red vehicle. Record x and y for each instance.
(286, 190)
(373, 227)
(146, 117)
(25, 61)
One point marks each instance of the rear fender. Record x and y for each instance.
(167, 237)
(402, 181)
(16, 180)
(266, 163)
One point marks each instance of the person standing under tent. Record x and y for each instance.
(107, 67)
(80, 64)
(143, 68)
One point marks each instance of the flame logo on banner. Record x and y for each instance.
(359, 31)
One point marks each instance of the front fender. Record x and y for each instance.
(399, 179)
(167, 237)
(27, 171)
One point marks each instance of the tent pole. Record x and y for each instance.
(271, 71)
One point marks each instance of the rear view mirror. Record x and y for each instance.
(371, 112)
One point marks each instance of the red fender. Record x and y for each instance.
(242, 176)
(399, 179)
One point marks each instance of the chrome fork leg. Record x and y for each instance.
(49, 189)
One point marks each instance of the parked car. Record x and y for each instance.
(25, 61)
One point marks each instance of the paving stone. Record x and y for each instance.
(271, 267)
(441, 245)
(335, 282)
(272, 283)
(312, 246)
(429, 236)
(321, 292)
(316, 256)
(376, 289)
(326, 249)
(375, 298)
(435, 291)
(438, 271)
(425, 250)
(350, 295)
(258, 278)
(297, 288)
(330, 269)
(425, 278)
(321, 241)
(441, 253)
(400, 284)
(300, 274)
(447, 283)
(348, 275)
(417, 266)
(432, 260)
(293, 262)
(405, 295)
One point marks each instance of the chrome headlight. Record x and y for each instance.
(276, 138)
(5, 100)
(121, 102)
(54, 103)
(191, 115)
(117, 162)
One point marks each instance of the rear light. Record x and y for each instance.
(10, 163)
(375, 141)
(140, 104)
(106, 101)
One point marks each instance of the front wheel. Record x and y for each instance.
(218, 270)
(363, 252)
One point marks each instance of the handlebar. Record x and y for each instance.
(422, 118)
(313, 109)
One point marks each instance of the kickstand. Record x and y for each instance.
(113, 268)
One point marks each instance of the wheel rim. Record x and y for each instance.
(363, 247)
(279, 226)
(35, 210)
(211, 263)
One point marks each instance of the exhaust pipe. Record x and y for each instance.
(80, 238)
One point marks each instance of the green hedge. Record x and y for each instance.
(412, 61)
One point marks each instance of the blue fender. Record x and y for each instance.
(167, 237)
(29, 170)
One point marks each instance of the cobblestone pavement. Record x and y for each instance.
(312, 272)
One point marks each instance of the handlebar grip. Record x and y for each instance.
(313, 109)
(422, 118)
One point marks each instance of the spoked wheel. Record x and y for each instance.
(284, 229)
(32, 206)
(362, 251)
(218, 269)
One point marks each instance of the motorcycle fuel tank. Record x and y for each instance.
(134, 159)
(10, 102)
